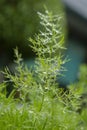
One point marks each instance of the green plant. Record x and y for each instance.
(36, 101)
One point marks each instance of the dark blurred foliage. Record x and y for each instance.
(18, 21)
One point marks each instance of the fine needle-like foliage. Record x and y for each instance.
(36, 102)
